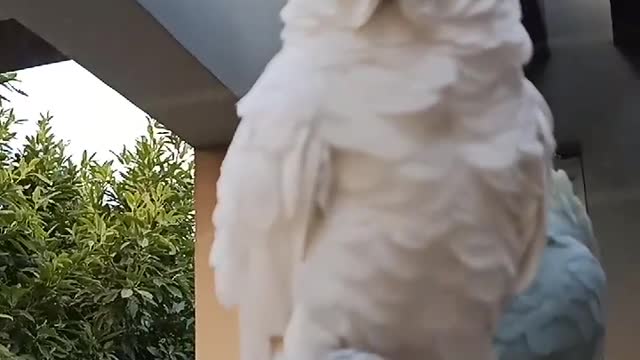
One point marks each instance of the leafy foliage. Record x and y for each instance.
(7, 82)
(96, 258)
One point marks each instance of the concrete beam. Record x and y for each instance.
(22, 48)
(124, 46)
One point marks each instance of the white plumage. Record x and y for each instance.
(386, 188)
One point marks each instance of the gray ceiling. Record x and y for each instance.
(232, 38)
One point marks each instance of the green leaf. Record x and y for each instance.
(145, 294)
(26, 315)
(154, 351)
(5, 316)
(174, 291)
(178, 307)
(132, 308)
(6, 353)
(108, 299)
(126, 293)
(43, 178)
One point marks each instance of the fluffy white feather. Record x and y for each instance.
(568, 216)
(387, 182)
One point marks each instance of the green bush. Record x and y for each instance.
(96, 259)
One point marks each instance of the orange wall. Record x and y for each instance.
(216, 328)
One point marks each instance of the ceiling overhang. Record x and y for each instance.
(20, 48)
(121, 43)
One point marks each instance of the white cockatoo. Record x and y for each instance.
(386, 189)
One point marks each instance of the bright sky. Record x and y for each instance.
(86, 112)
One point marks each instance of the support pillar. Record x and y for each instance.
(216, 328)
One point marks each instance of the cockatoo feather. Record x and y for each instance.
(273, 182)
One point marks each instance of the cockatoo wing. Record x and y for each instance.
(274, 177)
(562, 314)
(540, 173)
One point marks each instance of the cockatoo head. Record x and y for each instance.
(354, 14)
(357, 13)
(341, 13)
(473, 25)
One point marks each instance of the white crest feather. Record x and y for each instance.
(346, 13)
